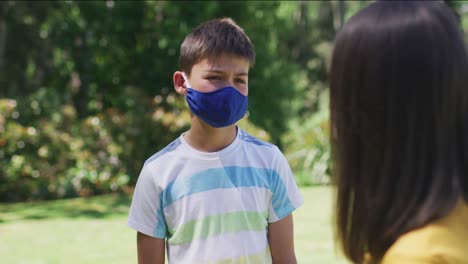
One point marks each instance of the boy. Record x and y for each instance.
(215, 194)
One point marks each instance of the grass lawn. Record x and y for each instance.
(93, 230)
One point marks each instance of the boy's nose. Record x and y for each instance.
(231, 83)
(227, 83)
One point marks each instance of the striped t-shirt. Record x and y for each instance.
(214, 207)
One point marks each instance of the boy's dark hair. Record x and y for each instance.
(214, 38)
(399, 116)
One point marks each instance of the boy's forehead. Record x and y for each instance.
(224, 63)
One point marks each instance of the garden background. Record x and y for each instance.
(86, 96)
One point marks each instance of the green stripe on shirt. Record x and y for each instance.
(218, 224)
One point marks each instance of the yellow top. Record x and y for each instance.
(442, 241)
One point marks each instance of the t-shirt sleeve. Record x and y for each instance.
(285, 194)
(146, 213)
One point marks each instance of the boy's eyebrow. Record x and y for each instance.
(218, 71)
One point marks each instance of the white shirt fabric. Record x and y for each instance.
(214, 207)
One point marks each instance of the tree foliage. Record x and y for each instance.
(86, 86)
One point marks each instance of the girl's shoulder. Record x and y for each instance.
(442, 241)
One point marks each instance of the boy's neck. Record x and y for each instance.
(205, 138)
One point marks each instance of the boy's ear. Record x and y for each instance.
(179, 83)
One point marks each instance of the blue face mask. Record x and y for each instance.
(220, 108)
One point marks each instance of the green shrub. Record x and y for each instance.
(50, 155)
(307, 147)
(58, 155)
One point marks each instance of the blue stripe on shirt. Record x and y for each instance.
(231, 177)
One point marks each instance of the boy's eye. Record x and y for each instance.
(240, 80)
(213, 78)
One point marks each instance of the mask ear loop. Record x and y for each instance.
(186, 80)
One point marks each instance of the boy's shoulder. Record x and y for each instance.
(173, 149)
(246, 137)
(257, 149)
(168, 149)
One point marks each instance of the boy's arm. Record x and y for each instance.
(281, 240)
(151, 250)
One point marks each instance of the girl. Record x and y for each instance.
(399, 115)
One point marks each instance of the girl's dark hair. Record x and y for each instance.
(399, 116)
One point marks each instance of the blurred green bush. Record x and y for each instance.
(63, 156)
(307, 146)
(85, 87)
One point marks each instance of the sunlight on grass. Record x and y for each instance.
(104, 206)
(93, 230)
(313, 229)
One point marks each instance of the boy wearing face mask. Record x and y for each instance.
(215, 194)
